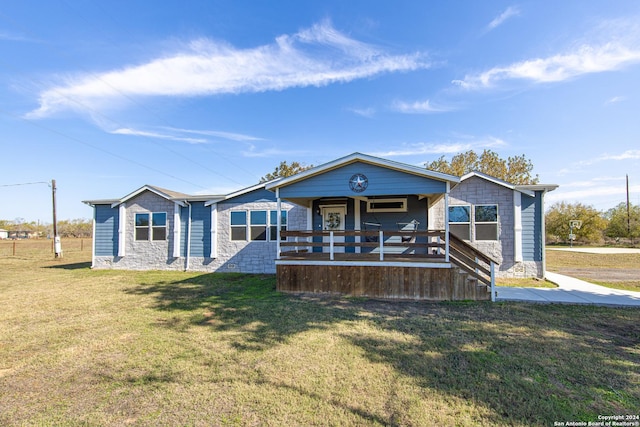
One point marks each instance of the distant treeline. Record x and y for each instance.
(19, 228)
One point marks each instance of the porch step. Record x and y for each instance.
(471, 280)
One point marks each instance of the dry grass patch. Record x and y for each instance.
(82, 347)
(525, 283)
(618, 271)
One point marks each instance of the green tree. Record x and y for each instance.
(621, 224)
(284, 170)
(75, 228)
(515, 170)
(558, 217)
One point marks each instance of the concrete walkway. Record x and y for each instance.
(570, 291)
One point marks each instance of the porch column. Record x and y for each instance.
(356, 223)
(279, 221)
(446, 224)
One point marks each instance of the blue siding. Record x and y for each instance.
(532, 228)
(106, 238)
(382, 182)
(200, 230)
(260, 194)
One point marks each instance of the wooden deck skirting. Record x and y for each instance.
(431, 284)
(409, 273)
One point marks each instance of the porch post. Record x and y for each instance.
(279, 221)
(356, 223)
(446, 224)
(493, 282)
(381, 240)
(331, 245)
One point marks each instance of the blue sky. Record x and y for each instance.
(205, 97)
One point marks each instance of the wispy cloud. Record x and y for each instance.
(417, 107)
(614, 100)
(253, 151)
(13, 37)
(156, 135)
(364, 112)
(442, 148)
(500, 19)
(317, 56)
(629, 154)
(586, 59)
(592, 191)
(218, 134)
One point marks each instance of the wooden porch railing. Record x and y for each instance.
(477, 264)
(381, 242)
(432, 245)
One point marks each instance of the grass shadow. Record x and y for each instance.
(232, 301)
(527, 364)
(72, 266)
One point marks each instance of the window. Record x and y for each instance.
(259, 225)
(387, 205)
(486, 222)
(239, 225)
(273, 224)
(152, 225)
(460, 221)
(142, 226)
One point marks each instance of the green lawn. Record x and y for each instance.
(83, 347)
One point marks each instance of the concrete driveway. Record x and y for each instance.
(570, 291)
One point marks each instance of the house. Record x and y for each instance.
(358, 225)
(4, 234)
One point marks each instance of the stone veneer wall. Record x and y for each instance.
(145, 255)
(246, 256)
(233, 256)
(477, 191)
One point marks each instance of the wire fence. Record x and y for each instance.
(39, 247)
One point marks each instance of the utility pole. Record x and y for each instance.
(628, 210)
(56, 239)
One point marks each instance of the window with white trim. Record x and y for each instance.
(486, 222)
(460, 221)
(387, 205)
(273, 224)
(151, 226)
(256, 225)
(238, 225)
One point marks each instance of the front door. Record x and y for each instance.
(333, 220)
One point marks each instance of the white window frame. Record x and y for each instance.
(245, 226)
(150, 227)
(268, 226)
(476, 222)
(372, 202)
(274, 225)
(468, 224)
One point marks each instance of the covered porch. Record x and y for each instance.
(368, 234)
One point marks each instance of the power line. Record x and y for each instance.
(118, 156)
(25, 183)
(133, 101)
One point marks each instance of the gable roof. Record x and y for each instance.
(528, 189)
(174, 196)
(365, 158)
